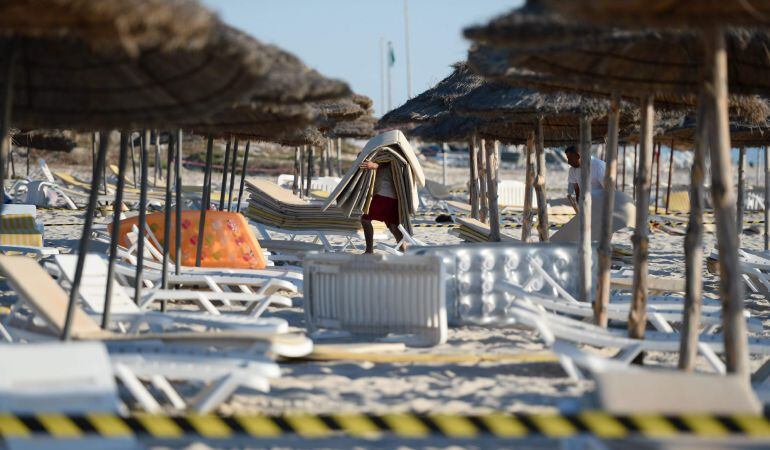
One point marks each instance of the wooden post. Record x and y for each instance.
(529, 180)
(542, 201)
(330, 159)
(167, 218)
(444, 150)
(6, 100)
(144, 182)
(482, 174)
(322, 160)
(584, 212)
(657, 177)
(767, 199)
(225, 166)
(723, 199)
(693, 246)
(491, 182)
(302, 152)
(244, 173)
(206, 200)
(232, 176)
(623, 185)
(741, 204)
(670, 176)
(133, 160)
(339, 157)
(310, 168)
(636, 163)
(295, 181)
(605, 247)
(116, 211)
(473, 187)
(637, 317)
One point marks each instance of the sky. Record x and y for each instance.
(341, 38)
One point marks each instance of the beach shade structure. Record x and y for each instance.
(360, 128)
(353, 195)
(118, 64)
(49, 140)
(705, 61)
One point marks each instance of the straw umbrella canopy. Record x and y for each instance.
(360, 128)
(50, 140)
(665, 13)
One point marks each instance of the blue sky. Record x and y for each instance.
(341, 38)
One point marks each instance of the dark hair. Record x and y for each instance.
(570, 149)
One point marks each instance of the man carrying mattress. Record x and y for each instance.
(384, 206)
(573, 177)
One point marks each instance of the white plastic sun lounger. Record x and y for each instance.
(377, 295)
(48, 303)
(94, 284)
(407, 239)
(553, 328)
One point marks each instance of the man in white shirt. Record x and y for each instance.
(573, 177)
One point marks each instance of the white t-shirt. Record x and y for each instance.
(597, 175)
(383, 182)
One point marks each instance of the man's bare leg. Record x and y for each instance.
(368, 235)
(393, 227)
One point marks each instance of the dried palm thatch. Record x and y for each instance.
(65, 83)
(258, 120)
(303, 136)
(362, 101)
(289, 80)
(361, 128)
(340, 109)
(637, 62)
(493, 64)
(51, 140)
(436, 101)
(741, 134)
(129, 26)
(446, 129)
(668, 13)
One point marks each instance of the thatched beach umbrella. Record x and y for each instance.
(694, 62)
(115, 64)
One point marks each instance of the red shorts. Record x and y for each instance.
(384, 209)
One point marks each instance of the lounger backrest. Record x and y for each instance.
(276, 192)
(43, 295)
(93, 284)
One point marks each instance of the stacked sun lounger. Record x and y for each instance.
(472, 230)
(354, 193)
(274, 206)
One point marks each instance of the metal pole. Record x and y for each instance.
(339, 157)
(144, 143)
(302, 171)
(741, 203)
(584, 212)
(444, 149)
(6, 98)
(232, 176)
(383, 108)
(167, 217)
(206, 201)
(116, 211)
(85, 241)
(243, 174)
(406, 45)
(767, 197)
(133, 159)
(670, 176)
(223, 191)
(178, 204)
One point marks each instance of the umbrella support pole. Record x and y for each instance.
(206, 199)
(473, 189)
(6, 100)
(167, 218)
(116, 212)
(339, 157)
(723, 199)
(225, 166)
(133, 161)
(657, 177)
(243, 175)
(295, 182)
(584, 213)
(542, 201)
(741, 201)
(767, 197)
(605, 239)
(232, 176)
(693, 247)
(309, 176)
(444, 149)
(637, 316)
(623, 184)
(670, 176)
(529, 180)
(636, 162)
(178, 186)
(145, 142)
(85, 241)
(482, 170)
(491, 181)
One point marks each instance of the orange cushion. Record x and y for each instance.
(227, 239)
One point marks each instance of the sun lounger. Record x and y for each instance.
(407, 240)
(48, 302)
(623, 217)
(376, 295)
(510, 194)
(20, 233)
(123, 309)
(472, 230)
(273, 209)
(553, 328)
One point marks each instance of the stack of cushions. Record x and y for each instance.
(472, 230)
(354, 193)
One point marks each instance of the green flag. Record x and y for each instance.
(391, 55)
